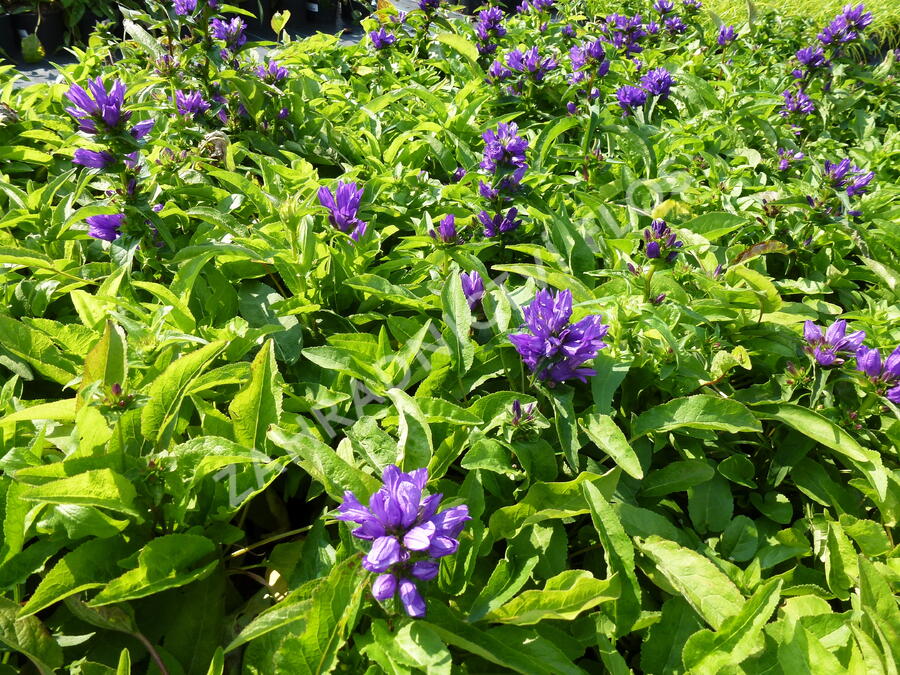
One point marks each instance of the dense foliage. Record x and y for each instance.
(535, 344)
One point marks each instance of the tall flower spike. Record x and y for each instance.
(408, 535)
(661, 242)
(100, 109)
(555, 349)
(473, 287)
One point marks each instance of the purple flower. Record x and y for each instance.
(459, 174)
(530, 63)
(674, 25)
(827, 348)
(846, 26)
(271, 72)
(499, 224)
(658, 82)
(588, 61)
(797, 104)
(92, 159)
(726, 35)
(520, 415)
(473, 287)
(843, 174)
(231, 32)
(407, 534)
(664, 6)
(429, 6)
(504, 148)
(141, 129)
(661, 242)
(630, 98)
(571, 108)
(497, 73)
(105, 226)
(812, 57)
(446, 231)
(190, 103)
(859, 184)
(567, 31)
(623, 32)
(185, 7)
(788, 156)
(555, 348)
(283, 113)
(343, 208)
(692, 6)
(99, 109)
(882, 374)
(489, 27)
(381, 39)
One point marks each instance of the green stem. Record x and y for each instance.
(647, 279)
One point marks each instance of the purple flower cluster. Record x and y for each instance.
(230, 32)
(343, 207)
(629, 98)
(381, 39)
(408, 535)
(692, 6)
(726, 35)
(101, 110)
(658, 82)
(675, 25)
(884, 375)
(504, 150)
(446, 230)
(488, 28)
(429, 6)
(522, 416)
(664, 6)
(555, 349)
(473, 287)
(105, 226)
(844, 174)
(846, 26)
(796, 104)
(660, 242)
(271, 72)
(828, 347)
(787, 157)
(190, 103)
(813, 59)
(500, 223)
(624, 32)
(588, 62)
(185, 7)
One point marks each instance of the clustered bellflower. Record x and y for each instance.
(101, 110)
(343, 207)
(726, 35)
(660, 242)
(190, 103)
(624, 32)
(658, 82)
(271, 72)
(664, 6)
(529, 65)
(828, 347)
(812, 59)
(105, 226)
(408, 535)
(846, 26)
(843, 174)
(796, 104)
(446, 230)
(504, 158)
(230, 32)
(381, 39)
(629, 98)
(473, 287)
(884, 375)
(588, 62)
(554, 349)
(692, 6)
(787, 157)
(185, 7)
(488, 28)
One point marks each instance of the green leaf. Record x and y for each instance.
(604, 432)
(454, 631)
(710, 505)
(619, 553)
(739, 637)
(89, 566)
(458, 318)
(459, 44)
(714, 225)
(821, 430)
(325, 465)
(61, 411)
(103, 488)
(712, 594)
(284, 613)
(414, 445)
(330, 619)
(676, 477)
(107, 362)
(739, 540)
(36, 349)
(168, 390)
(564, 597)
(697, 412)
(28, 636)
(664, 642)
(799, 651)
(258, 405)
(566, 424)
(165, 562)
(879, 604)
(256, 301)
(546, 501)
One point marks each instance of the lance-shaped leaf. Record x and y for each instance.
(415, 444)
(258, 405)
(30, 637)
(458, 318)
(103, 488)
(697, 412)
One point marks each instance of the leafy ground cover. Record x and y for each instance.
(540, 344)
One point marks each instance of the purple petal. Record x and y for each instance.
(384, 587)
(426, 570)
(412, 600)
(384, 553)
(419, 538)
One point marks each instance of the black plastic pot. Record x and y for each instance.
(51, 31)
(9, 38)
(260, 25)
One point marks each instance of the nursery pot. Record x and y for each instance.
(9, 38)
(260, 23)
(51, 31)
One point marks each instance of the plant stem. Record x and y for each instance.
(153, 654)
